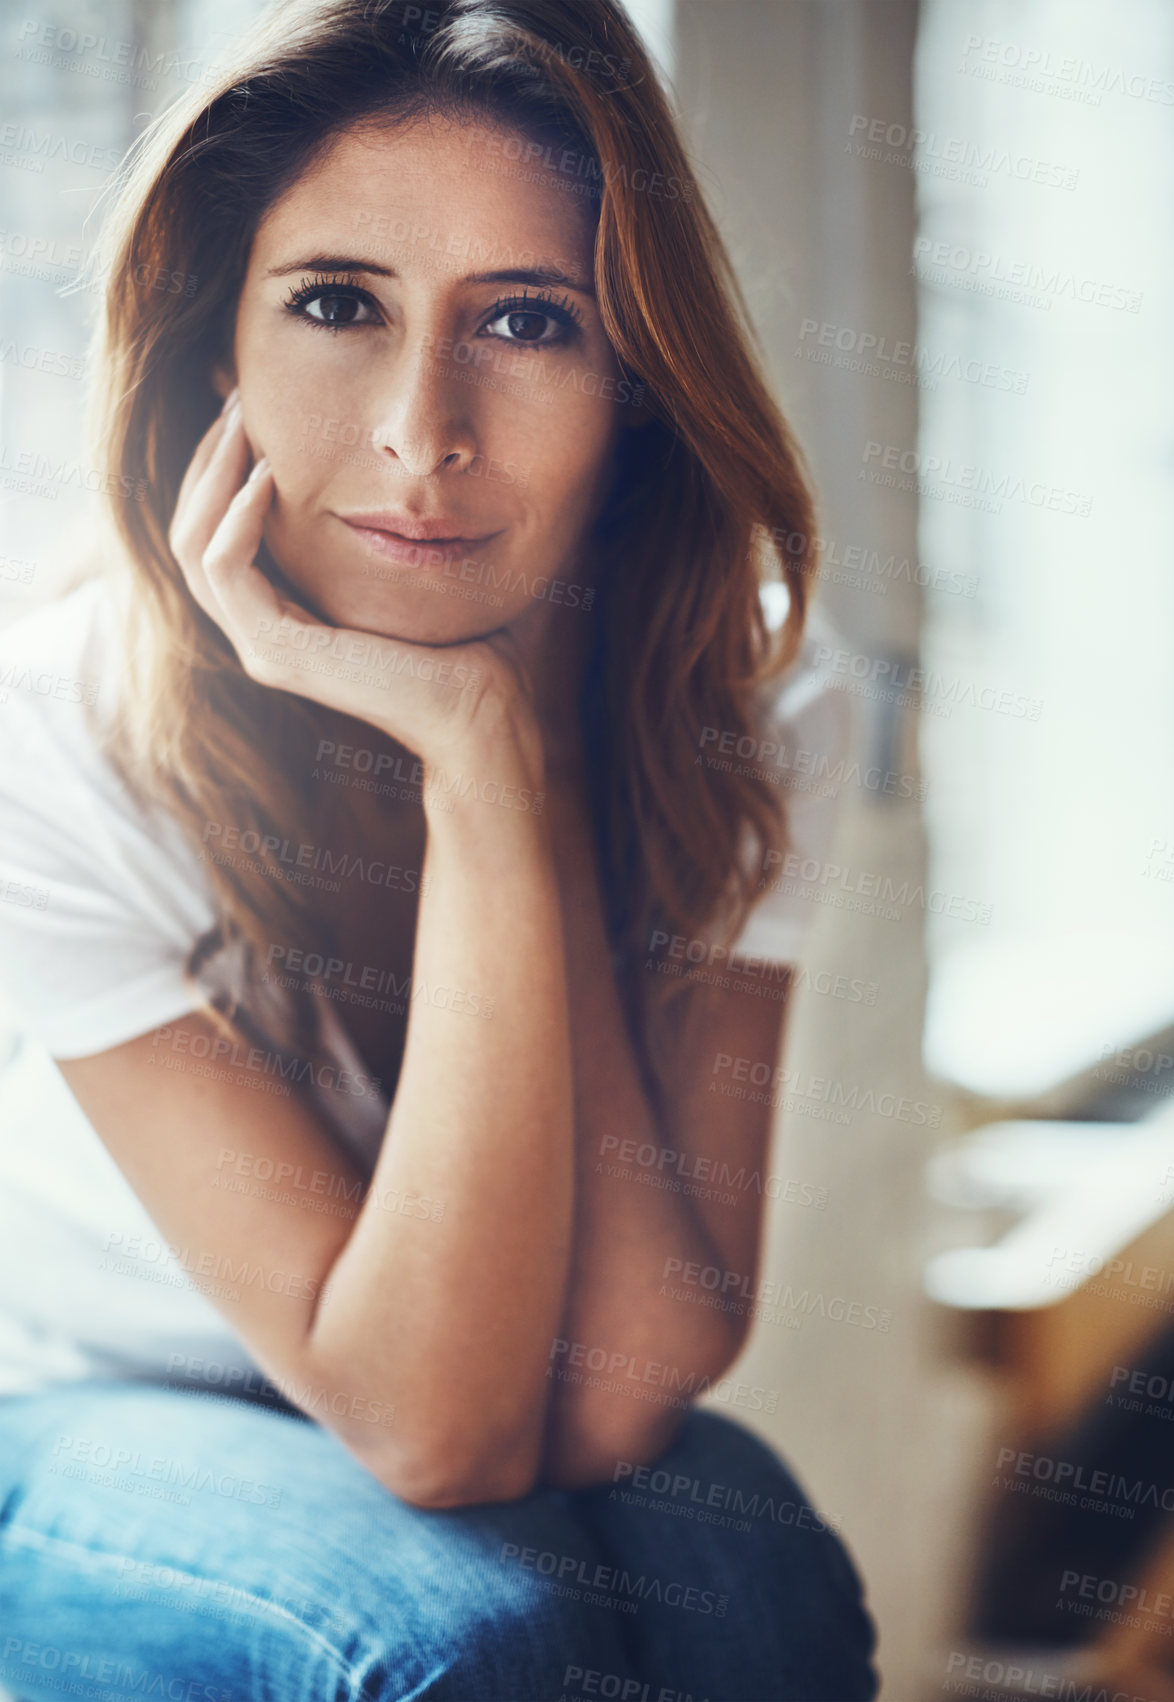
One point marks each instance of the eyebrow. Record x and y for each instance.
(542, 277)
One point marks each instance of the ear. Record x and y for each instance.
(223, 379)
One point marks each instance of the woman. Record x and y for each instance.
(376, 916)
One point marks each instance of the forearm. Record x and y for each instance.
(620, 1302)
(629, 1350)
(451, 1321)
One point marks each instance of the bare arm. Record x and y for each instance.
(638, 1222)
(446, 1324)
(453, 1320)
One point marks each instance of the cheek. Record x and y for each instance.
(288, 403)
(565, 443)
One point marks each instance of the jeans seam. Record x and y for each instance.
(81, 1555)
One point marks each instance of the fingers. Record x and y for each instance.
(208, 487)
(210, 494)
(245, 596)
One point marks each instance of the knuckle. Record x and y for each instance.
(215, 560)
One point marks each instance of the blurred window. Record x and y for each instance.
(1045, 265)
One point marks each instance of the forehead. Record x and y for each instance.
(438, 196)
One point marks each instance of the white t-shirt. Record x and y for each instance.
(100, 904)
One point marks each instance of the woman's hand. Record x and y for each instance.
(456, 706)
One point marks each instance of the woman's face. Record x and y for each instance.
(419, 351)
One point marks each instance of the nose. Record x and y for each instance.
(423, 418)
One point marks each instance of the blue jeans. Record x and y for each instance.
(157, 1542)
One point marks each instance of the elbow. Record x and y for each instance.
(423, 1455)
(437, 1483)
(587, 1446)
(435, 1470)
(596, 1437)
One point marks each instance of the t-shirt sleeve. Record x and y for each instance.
(807, 750)
(98, 910)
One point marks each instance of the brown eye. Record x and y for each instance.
(527, 327)
(331, 304)
(534, 321)
(335, 310)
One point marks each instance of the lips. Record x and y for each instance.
(416, 542)
(417, 528)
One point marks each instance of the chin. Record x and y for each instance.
(413, 614)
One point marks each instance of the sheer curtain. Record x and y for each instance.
(1045, 462)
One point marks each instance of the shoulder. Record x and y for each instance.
(100, 898)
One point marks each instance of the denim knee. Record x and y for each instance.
(515, 1611)
(726, 1530)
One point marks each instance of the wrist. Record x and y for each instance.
(502, 768)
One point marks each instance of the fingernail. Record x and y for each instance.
(262, 466)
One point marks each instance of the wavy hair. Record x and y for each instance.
(711, 498)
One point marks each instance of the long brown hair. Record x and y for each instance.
(710, 499)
